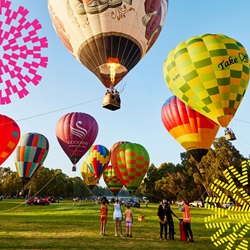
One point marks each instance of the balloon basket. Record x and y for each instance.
(141, 218)
(111, 101)
(74, 169)
(229, 134)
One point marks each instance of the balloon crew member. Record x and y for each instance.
(129, 220)
(104, 215)
(170, 222)
(187, 221)
(117, 216)
(163, 221)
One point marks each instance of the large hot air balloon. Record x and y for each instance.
(10, 135)
(210, 73)
(30, 154)
(109, 37)
(76, 133)
(97, 158)
(131, 162)
(194, 131)
(88, 177)
(111, 179)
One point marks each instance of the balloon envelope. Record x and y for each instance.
(111, 179)
(30, 155)
(210, 73)
(194, 131)
(131, 162)
(76, 133)
(88, 177)
(97, 158)
(10, 135)
(108, 37)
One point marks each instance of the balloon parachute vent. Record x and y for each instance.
(229, 134)
(74, 169)
(111, 100)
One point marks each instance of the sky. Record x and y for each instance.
(67, 86)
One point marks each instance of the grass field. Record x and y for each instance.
(68, 225)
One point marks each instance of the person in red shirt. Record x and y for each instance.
(187, 221)
(104, 215)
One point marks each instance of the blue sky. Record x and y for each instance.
(67, 86)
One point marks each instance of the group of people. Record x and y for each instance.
(165, 217)
(117, 217)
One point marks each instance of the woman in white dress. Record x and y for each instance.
(117, 216)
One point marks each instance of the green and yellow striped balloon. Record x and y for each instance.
(111, 179)
(131, 162)
(209, 73)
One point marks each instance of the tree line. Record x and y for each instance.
(188, 179)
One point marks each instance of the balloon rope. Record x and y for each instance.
(23, 203)
(57, 110)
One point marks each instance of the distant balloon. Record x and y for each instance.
(10, 135)
(108, 37)
(131, 162)
(30, 155)
(210, 73)
(97, 158)
(76, 133)
(192, 130)
(111, 179)
(88, 177)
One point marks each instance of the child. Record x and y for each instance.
(104, 215)
(129, 221)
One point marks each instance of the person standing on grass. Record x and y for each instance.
(117, 216)
(104, 216)
(170, 221)
(129, 221)
(163, 221)
(187, 220)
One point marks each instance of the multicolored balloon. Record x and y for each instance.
(210, 73)
(88, 177)
(10, 135)
(111, 179)
(192, 130)
(76, 133)
(30, 155)
(131, 162)
(108, 37)
(97, 158)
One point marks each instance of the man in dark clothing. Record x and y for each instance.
(162, 219)
(170, 222)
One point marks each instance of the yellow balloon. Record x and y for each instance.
(88, 176)
(210, 73)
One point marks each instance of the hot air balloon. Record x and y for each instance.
(97, 158)
(194, 131)
(131, 162)
(210, 73)
(10, 135)
(88, 177)
(109, 37)
(111, 179)
(76, 133)
(30, 154)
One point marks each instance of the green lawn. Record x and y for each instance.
(68, 225)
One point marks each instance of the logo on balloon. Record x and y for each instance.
(224, 64)
(79, 131)
(21, 52)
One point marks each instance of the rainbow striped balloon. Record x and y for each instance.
(97, 158)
